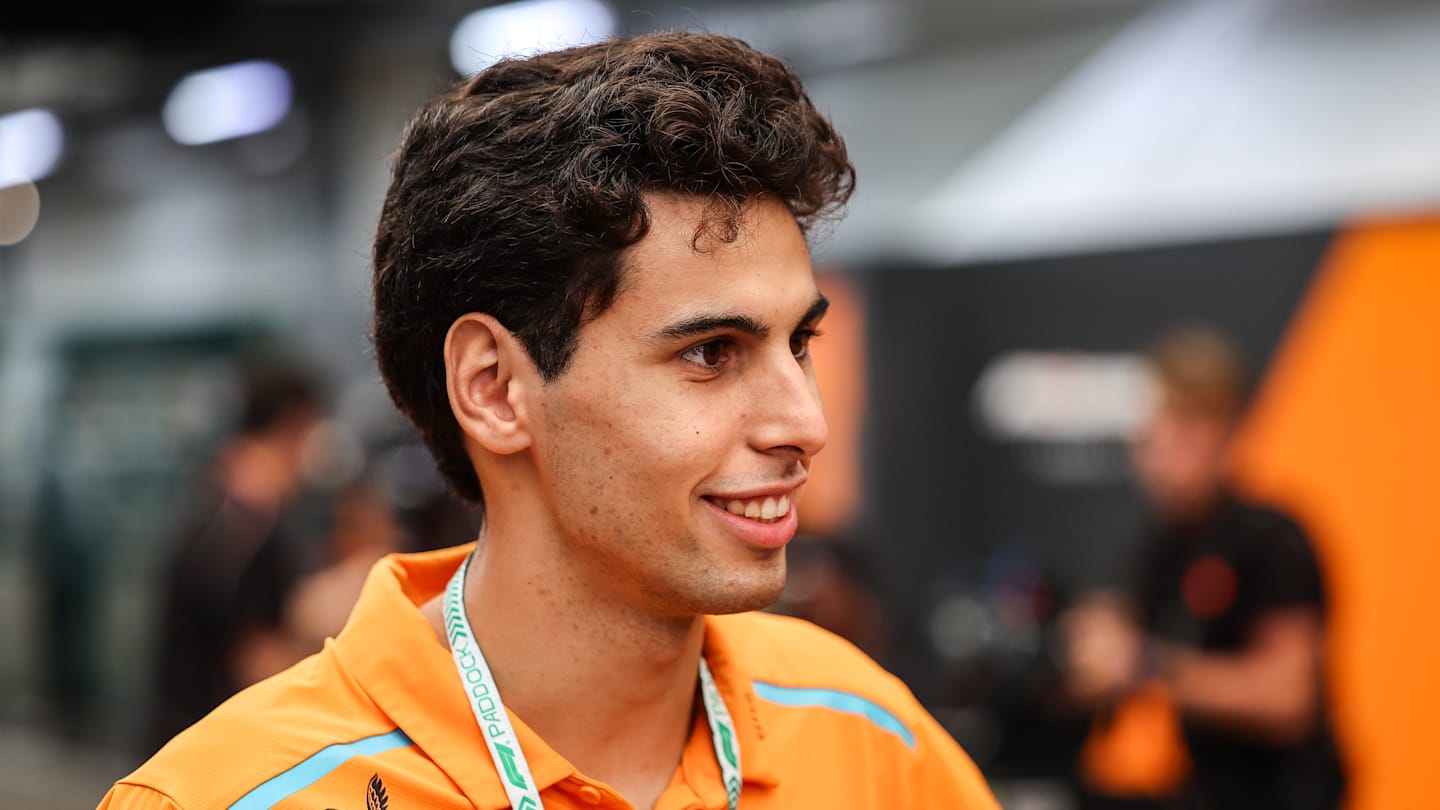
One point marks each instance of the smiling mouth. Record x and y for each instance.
(769, 509)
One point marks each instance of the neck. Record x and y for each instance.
(609, 686)
(1197, 507)
(602, 660)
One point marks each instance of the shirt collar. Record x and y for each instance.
(396, 657)
(736, 683)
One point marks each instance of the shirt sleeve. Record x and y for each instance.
(1288, 574)
(126, 796)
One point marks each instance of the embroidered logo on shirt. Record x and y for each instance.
(1210, 587)
(375, 797)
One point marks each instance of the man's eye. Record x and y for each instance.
(800, 343)
(710, 355)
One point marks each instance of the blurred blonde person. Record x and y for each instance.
(1226, 612)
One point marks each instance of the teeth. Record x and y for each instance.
(767, 509)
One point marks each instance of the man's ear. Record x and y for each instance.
(488, 375)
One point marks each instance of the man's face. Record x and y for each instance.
(690, 399)
(1180, 457)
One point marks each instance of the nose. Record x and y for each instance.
(788, 417)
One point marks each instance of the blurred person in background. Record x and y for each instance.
(1226, 615)
(235, 561)
(364, 527)
(594, 298)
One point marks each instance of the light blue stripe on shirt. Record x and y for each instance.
(316, 767)
(836, 700)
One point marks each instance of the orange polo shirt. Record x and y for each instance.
(378, 720)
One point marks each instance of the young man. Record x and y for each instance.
(594, 299)
(1227, 611)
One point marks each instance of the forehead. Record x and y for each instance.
(683, 263)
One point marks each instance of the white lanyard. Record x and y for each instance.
(499, 734)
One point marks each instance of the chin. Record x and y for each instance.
(759, 597)
(740, 592)
(744, 603)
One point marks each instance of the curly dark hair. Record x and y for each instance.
(517, 192)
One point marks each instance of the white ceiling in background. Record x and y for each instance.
(1207, 119)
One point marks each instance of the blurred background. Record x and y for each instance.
(187, 197)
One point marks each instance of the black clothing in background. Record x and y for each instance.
(230, 571)
(1204, 585)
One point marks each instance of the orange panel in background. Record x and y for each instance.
(832, 498)
(1346, 432)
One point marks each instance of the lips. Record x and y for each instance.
(764, 519)
(767, 509)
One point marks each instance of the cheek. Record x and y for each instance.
(618, 452)
(669, 420)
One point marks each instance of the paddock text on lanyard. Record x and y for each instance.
(499, 733)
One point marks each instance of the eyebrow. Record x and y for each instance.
(705, 323)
